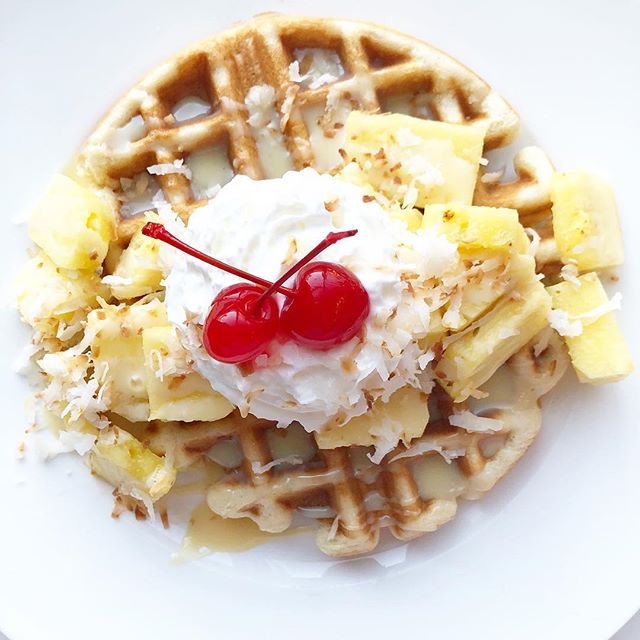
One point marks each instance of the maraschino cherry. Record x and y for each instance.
(326, 307)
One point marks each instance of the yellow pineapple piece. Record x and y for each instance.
(138, 271)
(352, 172)
(129, 466)
(176, 391)
(472, 228)
(411, 218)
(48, 295)
(585, 221)
(414, 161)
(599, 353)
(406, 413)
(72, 224)
(117, 353)
(472, 359)
(481, 292)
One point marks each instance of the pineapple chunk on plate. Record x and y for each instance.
(406, 412)
(411, 218)
(48, 295)
(471, 360)
(478, 294)
(118, 357)
(176, 391)
(72, 224)
(585, 221)
(413, 161)
(137, 271)
(129, 466)
(599, 352)
(471, 227)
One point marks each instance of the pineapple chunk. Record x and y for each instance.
(138, 271)
(484, 289)
(125, 463)
(600, 353)
(476, 296)
(414, 161)
(72, 225)
(585, 221)
(351, 172)
(411, 218)
(406, 413)
(116, 349)
(177, 392)
(472, 359)
(48, 295)
(472, 228)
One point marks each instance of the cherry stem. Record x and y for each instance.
(158, 232)
(331, 238)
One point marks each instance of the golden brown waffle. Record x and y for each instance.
(358, 498)
(380, 66)
(383, 70)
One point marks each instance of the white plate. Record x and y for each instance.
(550, 553)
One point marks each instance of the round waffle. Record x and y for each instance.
(147, 131)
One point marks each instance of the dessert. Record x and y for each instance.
(374, 386)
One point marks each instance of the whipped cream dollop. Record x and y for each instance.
(264, 227)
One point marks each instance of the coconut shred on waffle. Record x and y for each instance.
(283, 255)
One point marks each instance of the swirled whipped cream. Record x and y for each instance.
(264, 227)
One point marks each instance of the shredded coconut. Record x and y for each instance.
(569, 272)
(559, 319)
(166, 168)
(426, 358)
(425, 446)
(76, 441)
(613, 304)
(258, 468)
(535, 240)
(260, 101)
(333, 529)
(117, 281)
(475, 424)
(492, 177)
(323, 66)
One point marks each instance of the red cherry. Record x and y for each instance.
(237, 329)
(329, 308)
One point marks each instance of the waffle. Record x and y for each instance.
(383, 70)
(340, 483)
(380, 66)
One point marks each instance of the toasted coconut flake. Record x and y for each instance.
(475, 424)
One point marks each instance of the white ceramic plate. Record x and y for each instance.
(552, 552)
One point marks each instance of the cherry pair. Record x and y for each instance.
(326, 306)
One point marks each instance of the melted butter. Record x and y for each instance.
(226, 453)
(325, 139)
(501, 390)
(207, 532)
(292, 441)
(209, 167)
(491, 445)
(416, 105)
(189, 108)
(436, 479)
(199, 478)
(272, 148)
